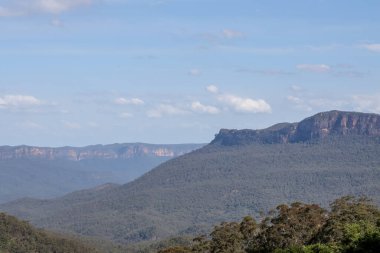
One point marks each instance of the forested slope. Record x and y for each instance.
(19, 236)
(224, 181)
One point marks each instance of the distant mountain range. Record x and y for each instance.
(125, 151)
(44, 172)
(241, 172)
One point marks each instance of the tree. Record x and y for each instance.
(227, 238)
(293, 225)
(349, 217)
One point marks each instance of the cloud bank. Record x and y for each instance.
(165, 109)
(240, 104)
(16, 101)
(26, 7)
(316, 68)
(201, 108)
(126, 101)
(372, 47)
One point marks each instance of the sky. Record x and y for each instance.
(82, 72)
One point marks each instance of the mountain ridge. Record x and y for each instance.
(191, 193)
(318, 126)
(109, 151)
(41, 172)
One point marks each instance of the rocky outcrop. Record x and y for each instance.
(319, 126)
(114, 151)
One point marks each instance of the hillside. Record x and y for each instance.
(18, 236)
(242, 172)
(43, 172)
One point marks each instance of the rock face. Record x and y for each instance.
(319, 126)
(113, 151)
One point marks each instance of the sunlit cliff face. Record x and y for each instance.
(319, 126)
(76, 154)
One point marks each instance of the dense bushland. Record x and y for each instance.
(19, 236)
(351, 225)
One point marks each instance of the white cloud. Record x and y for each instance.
(199, 107)
(295, 88)
(126, 115)
(327, 103)
(212, 89)
(7, 12)
(369, 103)
(58, 6)
(165, 109)
(294, 99)
(231, 34)
(126, 101)
(364, 103)
(299, 103)
(16, 101)
(25, 7)
(306, 101)
(372, 47)
(240, 104)
(245, 104)
(316, 68)
(195, 72)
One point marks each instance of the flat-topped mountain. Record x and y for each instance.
(43, 172)
(191, 193)
(319, 126)
(113, 151)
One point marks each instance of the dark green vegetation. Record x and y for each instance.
(18, 236)
(351, 225)
(50, 172)
(225, 180)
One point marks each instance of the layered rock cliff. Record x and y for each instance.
(319, 126)
(114, 151)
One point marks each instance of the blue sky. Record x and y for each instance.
(79, 72)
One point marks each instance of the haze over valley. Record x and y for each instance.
(42, 172)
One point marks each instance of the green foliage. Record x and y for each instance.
(291, 225)
(175, 250)
(320, 248)
(352, 226)
(201, 244)
(361, 237)
(190, 194)
(350, 218)
(227, 238)
(19, 236)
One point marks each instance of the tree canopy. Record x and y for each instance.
(351, 225)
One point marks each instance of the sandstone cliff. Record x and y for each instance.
(319, 126)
